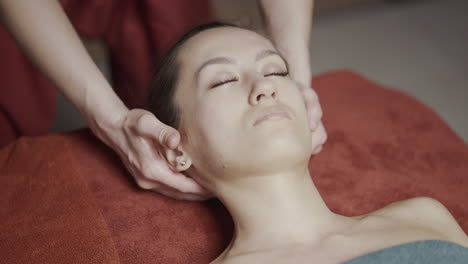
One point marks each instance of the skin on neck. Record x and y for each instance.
(276, 211)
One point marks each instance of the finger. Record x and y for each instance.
(155, 168)
(158, 170)
(317, 149)
(310, 95)
(150, 127)
(147, 184)
(311, 119)
(319, 138)
(169, 192)
(182, 196)
(168, 136)
(182, 183)
(307, 91)
(311, 110)
(315, 115)
(314, 111)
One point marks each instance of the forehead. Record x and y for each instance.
(224, 41)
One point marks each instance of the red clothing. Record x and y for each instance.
(136, 32)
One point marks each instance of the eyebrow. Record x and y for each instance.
(216, 60)
(226, 60)
(265, 53)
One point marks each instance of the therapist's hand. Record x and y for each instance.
(136, 135)
(289, 28)
(141, 139)
(314, 110)
(299, 70)
(314, 116)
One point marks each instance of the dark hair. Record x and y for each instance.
(162, 88)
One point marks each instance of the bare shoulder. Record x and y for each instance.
(428, 212)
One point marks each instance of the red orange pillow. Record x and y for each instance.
(66, 198)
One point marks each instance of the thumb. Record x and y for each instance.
(168, 136)
(149, 126)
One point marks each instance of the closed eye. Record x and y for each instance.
(283, 74)
(224, 82)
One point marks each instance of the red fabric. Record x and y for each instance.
(27, 98)
(66, 198)
(137, 33)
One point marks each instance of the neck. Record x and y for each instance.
(272, 211)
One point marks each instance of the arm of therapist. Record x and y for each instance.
(289, 26)
(135, 135)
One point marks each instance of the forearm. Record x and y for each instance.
(46, 35)
(289, 25)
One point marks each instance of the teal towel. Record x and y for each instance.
(427, 252)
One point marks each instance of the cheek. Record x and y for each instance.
(218, 124)
(215, 122)
(293, 97)
(207, 144)
(219, 112)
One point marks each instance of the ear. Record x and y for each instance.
(178, 159)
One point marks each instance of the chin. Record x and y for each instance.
(281, 150)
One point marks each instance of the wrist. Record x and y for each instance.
(298, 59)
(102, 109)
(106, 115)
(104, 123)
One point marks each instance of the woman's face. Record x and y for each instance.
(241, 114)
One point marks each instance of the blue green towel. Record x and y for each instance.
(426, 251)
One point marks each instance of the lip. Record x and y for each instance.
(276, 112)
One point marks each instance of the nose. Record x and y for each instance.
(263, 90)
